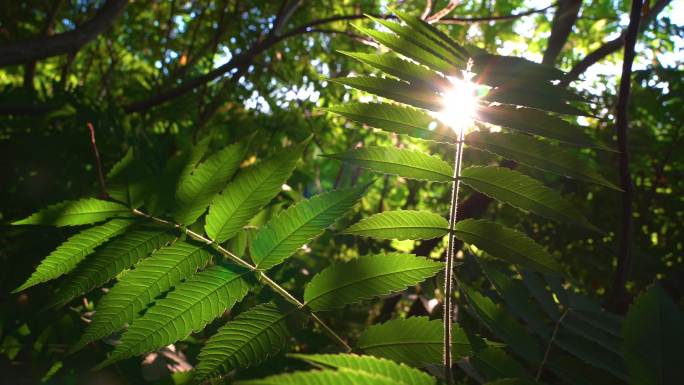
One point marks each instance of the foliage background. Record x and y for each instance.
(156, 46)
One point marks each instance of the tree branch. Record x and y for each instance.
(44, 47)
(262, 275)
(624, 257)
(613, 45)
(443, 12)
(480, 19)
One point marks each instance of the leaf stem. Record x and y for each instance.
(98, 162)
(262, 275)
(548, 347)
(448, 275)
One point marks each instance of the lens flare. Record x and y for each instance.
(459, 103)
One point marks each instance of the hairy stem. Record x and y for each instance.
(448, 275)
(262, 275)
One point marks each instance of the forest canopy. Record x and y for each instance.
(341, 192)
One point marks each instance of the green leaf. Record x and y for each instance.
(502, 324)
(544, 98)
(130, 180)
(398, 119)
(293, 228)
(396, 90)
(74, 250)
(109, 261)
(399, 161)
(504, 68)
(351, 369)
(654, 336)
(139, 287)
(537, 153)
(399, 373)
(402, 225)
(189, 308)
(322, 377)
(536, 122)
(250, 339)
(367, 277)
(428, 53)
(415, 341)
(410, 49)
(74, 213)
(432, 33)
(494, 363)
(197, 189)
(177, 168)
(507, 244)
(513, 381)
(403, 69)
(249, 192)
(521, 191)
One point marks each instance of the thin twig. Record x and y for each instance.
(98, 163)
(443, 12)
(262, 275)
(548, 347)
(492, 18)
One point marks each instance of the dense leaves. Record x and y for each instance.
(237, 133)
(189, 307)
(151, 277)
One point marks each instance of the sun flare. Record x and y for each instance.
(459, 103)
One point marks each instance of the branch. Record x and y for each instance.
(262, 275)
(624, 257)
(427, 11)
(443, 12)
(98, 162)
(548, 347)
(44, 47)
(613, 45)
(235, 62)
(561, 27)
(480, 19)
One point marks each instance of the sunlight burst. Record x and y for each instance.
(460, 103)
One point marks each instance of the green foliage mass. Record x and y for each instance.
(267, 193)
